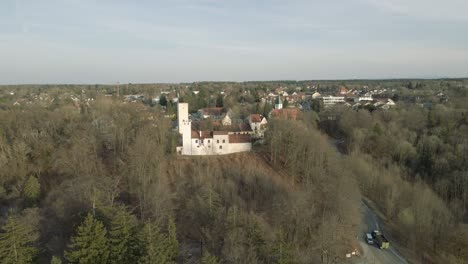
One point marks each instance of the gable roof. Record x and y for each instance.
(202, 134)
(286, 113)
(255, 118)
(220, 133)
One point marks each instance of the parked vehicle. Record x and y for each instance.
(380, 239)
(369, 239)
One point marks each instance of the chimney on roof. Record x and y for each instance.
(200, 133)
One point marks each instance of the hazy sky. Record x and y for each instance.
(109, 41)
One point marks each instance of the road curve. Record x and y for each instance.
(371, 253)
(369, 221)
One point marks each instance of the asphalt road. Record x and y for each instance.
(371, 253)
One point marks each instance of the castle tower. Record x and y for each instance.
(185, 127)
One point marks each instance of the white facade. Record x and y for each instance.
(217, 145)
(207, 142)
(366, 98)
(185, 127)
(331, 100)
(227, 121)
(279, 103)
(258, 127)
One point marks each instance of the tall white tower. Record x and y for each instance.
(185, 127)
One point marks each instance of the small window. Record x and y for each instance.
(196, 140)
(224, 141)
(220, 147)
(208, 141)
(217, 141)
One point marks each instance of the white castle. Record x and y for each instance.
(208, 142)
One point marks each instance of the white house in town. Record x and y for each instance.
(227, 119)
(364, 98)
(331, 100)
(258, 125)
(208, 142)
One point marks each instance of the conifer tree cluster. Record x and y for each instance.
(18, 242)
(125, 242)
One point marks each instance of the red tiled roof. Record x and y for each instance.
(255, 118)
(238, 127)
(286, 113)
(220, 132)
(204, 134)
(239, 138)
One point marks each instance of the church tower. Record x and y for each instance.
(278, 103)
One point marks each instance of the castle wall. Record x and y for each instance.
(217, 145)
(239, 147)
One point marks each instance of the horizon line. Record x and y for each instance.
(249, 81)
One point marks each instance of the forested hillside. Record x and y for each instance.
(412, 162)
(102, 183)
(99, 181)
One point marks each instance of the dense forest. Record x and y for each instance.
(99, 181)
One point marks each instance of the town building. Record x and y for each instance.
(287, 113)
(283, 113)
(258, 125)
(279, 103)
(343, 90)
(227, 119)
(331, 100)
(214, 113)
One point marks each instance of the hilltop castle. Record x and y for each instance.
(208, 142)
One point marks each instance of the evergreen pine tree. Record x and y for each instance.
(172, 239)
(219, 101)
(17, 241)
(90, 244)
(55, 260)
(282, 250)
(163, 100)
(32, 190)
(255, 240)
(156, 245)
(122, 238)
(209, 259)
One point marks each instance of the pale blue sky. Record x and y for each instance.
(104, 41)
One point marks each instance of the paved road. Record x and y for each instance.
(371, 253)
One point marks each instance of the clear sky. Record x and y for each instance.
(109, 41)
